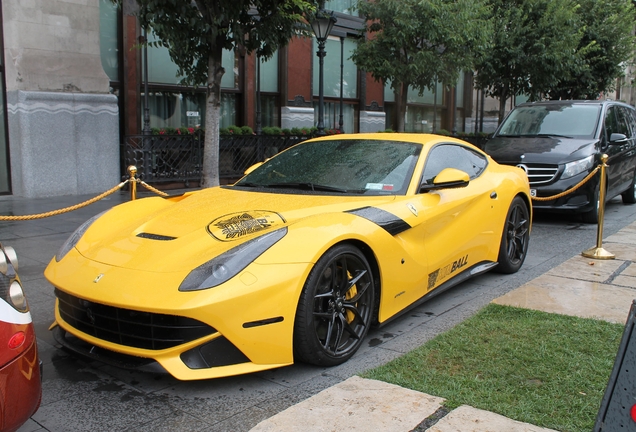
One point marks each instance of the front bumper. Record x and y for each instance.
(580, 201)
(250, 318)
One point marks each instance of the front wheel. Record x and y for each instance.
(514, 241)
(629, 196)
(335, 308)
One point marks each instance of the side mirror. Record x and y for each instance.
(448, 178)
(617, 138)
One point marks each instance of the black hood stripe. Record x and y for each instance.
(388, 221)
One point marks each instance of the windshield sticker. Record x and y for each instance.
(237, 225)
(379, 186)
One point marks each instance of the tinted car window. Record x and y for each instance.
(628, 120)
(370, 167)
(453, 156)
(576, 120)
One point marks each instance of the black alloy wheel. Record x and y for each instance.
(515, 238)
(335, 308)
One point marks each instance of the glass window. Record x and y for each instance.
(162, 70)
(108, 38)
(270, 111)
(331, 70)
(453, 156)
(176, 110)
(344, 6)
(428, 97)
(578, 120)
(354, 166)
(331, 118)
(269, 74)
(421, 118)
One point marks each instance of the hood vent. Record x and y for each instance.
(155, 236)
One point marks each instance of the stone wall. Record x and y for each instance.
(63, 123)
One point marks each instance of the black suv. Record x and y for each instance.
(558, 143)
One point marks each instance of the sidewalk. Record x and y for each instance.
(583, 287)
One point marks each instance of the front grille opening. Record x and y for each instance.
(145, 330)
(217, 352)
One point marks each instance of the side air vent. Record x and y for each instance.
(155, 236)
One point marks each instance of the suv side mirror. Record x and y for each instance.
(617, 138)
(448, 178)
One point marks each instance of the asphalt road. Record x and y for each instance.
(90, 396)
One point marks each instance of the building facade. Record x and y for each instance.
(73, 84)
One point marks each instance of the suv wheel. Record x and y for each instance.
(629, 196)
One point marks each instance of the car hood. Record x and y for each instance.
(161, 235)
(548, 150)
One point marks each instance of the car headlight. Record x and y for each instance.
(229, 264)
(75, 237)
(577, 167)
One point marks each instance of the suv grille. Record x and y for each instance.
(128, 327)
(540, 173)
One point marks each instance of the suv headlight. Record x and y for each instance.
(577, 167)
(229, 264)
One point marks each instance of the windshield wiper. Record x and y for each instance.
(306, 186)
(552, 135)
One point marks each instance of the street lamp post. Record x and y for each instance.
(143, 39)
(322, 25)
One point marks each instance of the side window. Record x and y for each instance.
(622, 124)
(610, 122)
(617, 121)
(453, 156)
(628, 118)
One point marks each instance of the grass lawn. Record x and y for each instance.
(545, 369)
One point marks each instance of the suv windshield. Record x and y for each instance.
(370, 167)
(572, 120)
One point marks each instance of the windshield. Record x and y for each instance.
(369, 167)
(574, 121)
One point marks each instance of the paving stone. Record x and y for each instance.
(469, 419)
(356, 404)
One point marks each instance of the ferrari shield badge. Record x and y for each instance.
(237, 225)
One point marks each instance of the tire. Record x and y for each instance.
(514, 240)
(591, 216)
(629, 196)
(335, 308)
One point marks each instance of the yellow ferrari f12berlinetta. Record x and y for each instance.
(294, 262)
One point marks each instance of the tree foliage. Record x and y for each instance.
(196, 32)
(418, 43)
(534, 45)
(605, 48)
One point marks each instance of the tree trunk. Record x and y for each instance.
(502, 103)
(213, 119)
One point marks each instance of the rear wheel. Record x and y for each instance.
(335, 308)
(514, 241)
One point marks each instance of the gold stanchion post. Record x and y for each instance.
(598, 252)
(132, 171)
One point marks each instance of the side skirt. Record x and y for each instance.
(469, 273)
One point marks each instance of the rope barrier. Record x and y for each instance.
(152, 189)
(66, 209)
(569, 191)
